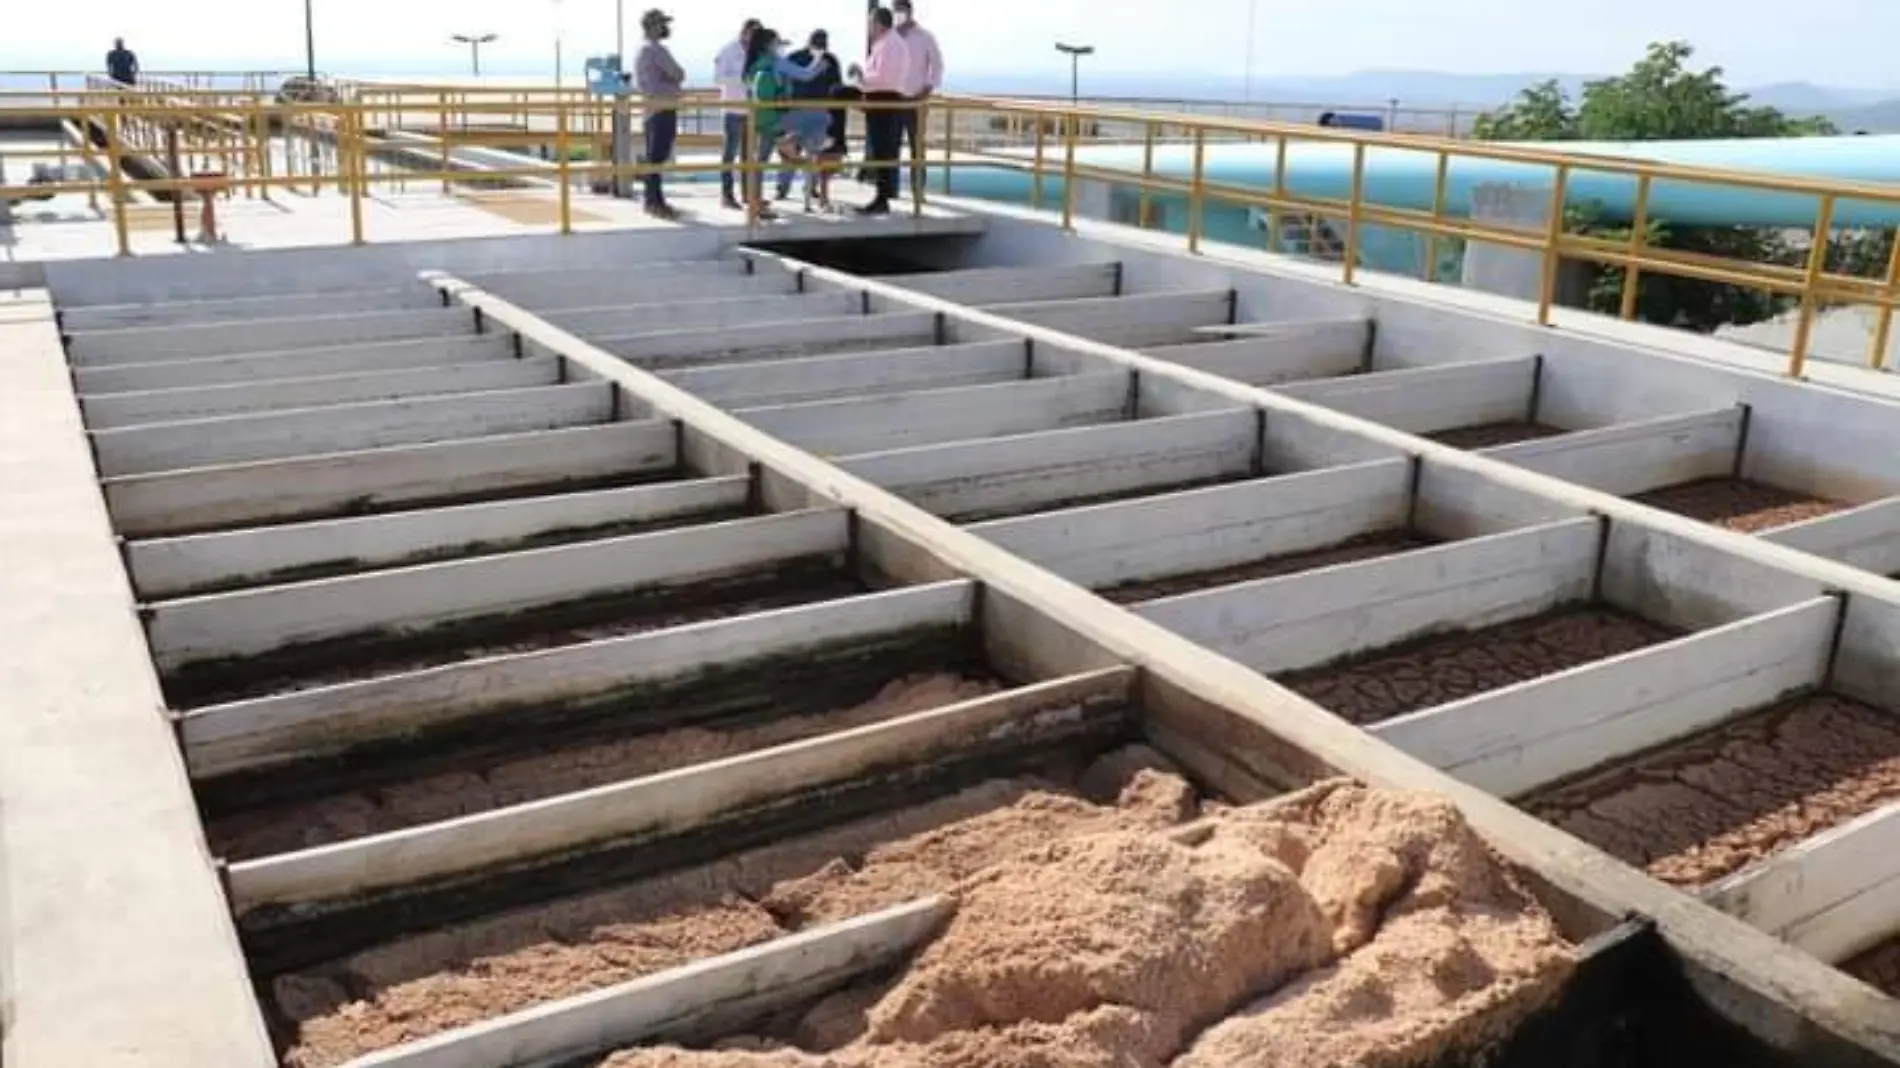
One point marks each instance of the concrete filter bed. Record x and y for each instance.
(1703, 808)
(1739, 504)
(1491, 435)
(349, 659)
(550, 771)
(1116, 497)
(436, 981)
(1367, 547)
(1879, 967)
(1337, 926)
(1450, 667)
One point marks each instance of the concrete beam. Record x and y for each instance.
(1139, 321)
(1456, 502)
(1426, 400)
(1005, 476)
(309, 363)
(993, 285)
(245, 309)
(1661, 575)
(1516, 740)
(276, 490)
(716, 314)
(637, 272)
(704, 1000)
(1323, 348)
(1632, 458)
(172, 567)
(237, 439)
(1834, 895)
(856, 333)
(1867, 537)
(1210, 529)
(816, 378)
(116, 943)
(248, 622)
(95, 348)
(670, 800)
(267, 731)
(935, 416)
(111, 410)
(598, 290)
(1317, 617)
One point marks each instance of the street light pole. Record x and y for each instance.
(474, 41)
(1075, 54)
(309, 42)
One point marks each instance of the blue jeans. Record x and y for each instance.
(662, 129)
(733, 149)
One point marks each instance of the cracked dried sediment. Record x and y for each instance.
(1699, 809)
(1367, 547)
(450, 978)
(1450, 667)
(1337, 926)
(1738, 504)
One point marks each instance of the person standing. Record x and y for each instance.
(883, 78)
(122, 63)
(658, 77)
(926, 77)
(729, 74)
(816, 53)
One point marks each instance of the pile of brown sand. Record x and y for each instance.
(434, 982)
(445, 796)
(1338, 926)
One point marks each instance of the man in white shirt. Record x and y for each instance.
(729, 75)
(926, 77)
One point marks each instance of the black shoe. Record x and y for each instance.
(731, 203)
(880, 206)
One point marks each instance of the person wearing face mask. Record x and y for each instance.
(926, 77)
(658, 76)
(882, 80)
(729, 74)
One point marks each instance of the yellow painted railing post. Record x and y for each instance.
(1197, 191)
(1811, 281)
(949, 144)
(1553, 245)
(1035, 190)
(918, 160)
(1354, 212)
(115, 182)
(354, 160)
(1883, 323)
(1145, 205)
(1071, 125)
(562, 150)
(1279, 194)
(1438, 215)
(1639, 240)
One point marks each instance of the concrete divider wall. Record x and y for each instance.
(205, 498)
(688, 348)
(1430, 399)
(1457, 503)
(1305, 620)
(1666, 577)
(817, 378)
(105, 411)
(571, 292)
(1636, 457)
(1210, 529)
(277, 306)
(1300, 351)
(1135, 322)
(1867, 537)
(94, 348)
(889, 421)
(256, 368)
(348, 428)
(1518, 739)
(996, 285)
(620, 320)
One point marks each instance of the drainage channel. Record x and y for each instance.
(534, 722)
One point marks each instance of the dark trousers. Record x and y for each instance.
(908, 148)
(662, 129)
(883, 130)
(733, 150)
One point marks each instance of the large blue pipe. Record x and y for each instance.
(1406, 178)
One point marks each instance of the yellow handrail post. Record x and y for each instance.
(1639, 240)
(949, 144)
(442, 137)
(1355, 211)
(1438, 215)
(1071, 124)
(1035, 189)
(1553, 242)
(1197, 190)
(354, 159)
(1279, 195)
(115, 181)
(1883, 323)
(1145, 205)
(1817, 264)
(918, 161)
(564, 167)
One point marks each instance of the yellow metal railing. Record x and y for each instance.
(256, 145)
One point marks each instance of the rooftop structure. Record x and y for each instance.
(522, 643)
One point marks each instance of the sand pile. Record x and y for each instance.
(1340, 926)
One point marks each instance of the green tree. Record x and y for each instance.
(1660, 98)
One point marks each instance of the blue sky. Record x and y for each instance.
(1844, 42)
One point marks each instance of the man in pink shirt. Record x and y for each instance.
(926, 77)
(884, 79)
